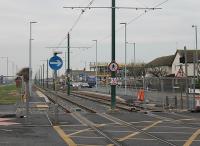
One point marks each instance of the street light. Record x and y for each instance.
(125, 58)
(134, 59)
(6, 65)
(30, 59)
(196, 55)
(96, 62)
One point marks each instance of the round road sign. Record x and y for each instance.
(113, 66)
(55, 62)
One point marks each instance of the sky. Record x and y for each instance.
(156, 32)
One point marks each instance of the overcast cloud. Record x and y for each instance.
(156, 33)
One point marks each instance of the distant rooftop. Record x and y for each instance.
(162, 61)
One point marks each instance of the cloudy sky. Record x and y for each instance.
(156, 33)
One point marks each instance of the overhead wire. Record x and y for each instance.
(79, 17)
(108, 36)
(134, 19)
(76, 22)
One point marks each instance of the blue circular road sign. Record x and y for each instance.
(55, 63)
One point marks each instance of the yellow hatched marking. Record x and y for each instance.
(42, 106)
(65, 137)
(152, 125)
(84, 130)
(89, 145)
(192, 138)
(136, 133)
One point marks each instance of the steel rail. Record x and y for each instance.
(139, 130)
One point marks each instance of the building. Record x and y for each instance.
(161, 66)
(174, 65)
(179, 62)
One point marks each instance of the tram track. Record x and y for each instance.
(104, 100)
(82, 118)
(112, 118)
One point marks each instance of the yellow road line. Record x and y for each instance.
(84, 130)
(136, 133)
(41, 106)
(89, 145)
(110, 145)
(65, 137)
(152, 125)
(80, 131)
(192, 138)
(128, 136)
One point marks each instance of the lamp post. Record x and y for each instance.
(30, 59)
(125, 60)
(6, 65)
(196, 53)
(96, 62)
(134, 59)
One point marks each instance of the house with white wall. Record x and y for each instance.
(174, 65)
(190, 56)
(161, 64)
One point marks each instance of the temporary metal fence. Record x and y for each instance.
(164, 92)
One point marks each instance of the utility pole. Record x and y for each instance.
(30, 59)
(47, 73)
(134, 56)
(186, 76)
(194, 68)
(43, 75)
(113, 74)
(196, 54)
(38, 81)
(125, 69)
(96, 68)
(68, 68)
(65, 62)
(134, 53)
(7, 67)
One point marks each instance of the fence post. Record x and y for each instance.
(181, 102)
(175, 102)
(167, 102)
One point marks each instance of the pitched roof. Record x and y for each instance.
(162, 61)
(190, 54)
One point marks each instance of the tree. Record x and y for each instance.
(25, 74)
(157, 71)
(136, 70)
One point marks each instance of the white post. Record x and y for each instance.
(96, 64)
(134, 53)
(125, 61)
(30, 60)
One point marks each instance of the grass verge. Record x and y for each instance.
(9, 94)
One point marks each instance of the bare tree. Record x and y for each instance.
(136, 70)
(25, 73)
(157, 71)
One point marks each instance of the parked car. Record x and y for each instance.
(75, 85)
(85, 85)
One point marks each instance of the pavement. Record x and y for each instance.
(34, 130)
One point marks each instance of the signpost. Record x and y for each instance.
(55, 64)
(113, 66)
